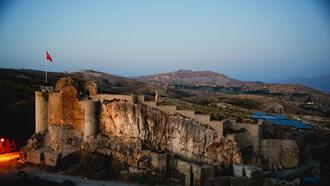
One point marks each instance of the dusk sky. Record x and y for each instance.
(247, 40)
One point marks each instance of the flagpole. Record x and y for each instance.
(46, 71)
(46, 68)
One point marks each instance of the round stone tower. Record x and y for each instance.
(41, 111)
(91, 110)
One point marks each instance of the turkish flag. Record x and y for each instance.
(48, 57)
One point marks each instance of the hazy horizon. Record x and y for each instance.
(254, 40)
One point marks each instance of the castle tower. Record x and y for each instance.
(41, 111)
(91, 109)
(157, 97)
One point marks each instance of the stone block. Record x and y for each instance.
(255, 174)
(35, 156)
(184, 168)
(170, 161)
(135, 170)
(158, 161)
(51, 158)
(250, 170)
(240, 181)
(238, 170)
(202, 174)
(220, 181)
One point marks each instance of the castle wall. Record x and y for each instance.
(90, 110)
(217, 125)
(64, 108)
(242, 139)
(280, 152)
(41, 114)
(203, 119)
(187, 113)
(115, 96)
(167, 108)
(254, 130)
(140, 98)
(62, 139)
(151, 104)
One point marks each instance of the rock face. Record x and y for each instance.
(167, 132)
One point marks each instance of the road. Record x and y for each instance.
(8, 157)
(77, 180)
(9, 163)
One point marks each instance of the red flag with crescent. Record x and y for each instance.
(48, 57)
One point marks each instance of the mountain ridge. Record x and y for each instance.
(190, 77)
(321, 83)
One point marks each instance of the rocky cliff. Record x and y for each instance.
(167, 132)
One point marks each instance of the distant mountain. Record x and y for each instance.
(201, 82)
(189, 77)
(321, 83)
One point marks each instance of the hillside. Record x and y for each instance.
(321, 83)
(206, 83)
(188, 77)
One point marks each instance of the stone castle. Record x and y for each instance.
(149, 136)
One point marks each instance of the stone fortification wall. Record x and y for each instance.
(242, 139)
(253, 129)
(187, 113)
(90, 109)
(280, 153)
(254, 133)
(41, 110)
(167, 108)
(115, 96)
(64, 107)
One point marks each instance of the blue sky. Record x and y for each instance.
(247, 40)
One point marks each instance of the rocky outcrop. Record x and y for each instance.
(167, 132)
(272, 107)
